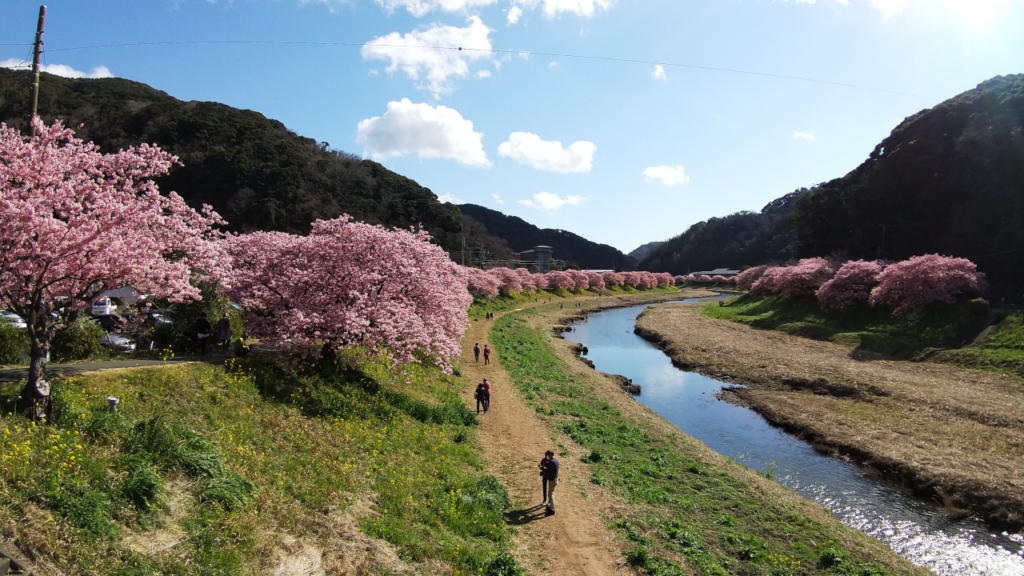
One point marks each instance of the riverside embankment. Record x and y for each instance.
(677, 506)
(946, 433)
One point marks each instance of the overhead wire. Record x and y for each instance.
(499, 51)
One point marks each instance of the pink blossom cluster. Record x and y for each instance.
(851, 285)
(613, 279)
(923, 280)
(802, 279)
(348, 285)
(745, 280)
(491, 282)
(75, 222)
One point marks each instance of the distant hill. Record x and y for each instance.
(642, 251)
(253, 170)
(948, 180)
(521, 235)
(734, 241)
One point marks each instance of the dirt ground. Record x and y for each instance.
(947, 433)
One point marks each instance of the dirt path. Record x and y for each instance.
(948, 433)
(575, 539)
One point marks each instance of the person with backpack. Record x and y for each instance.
(483, 396)
(487, 355)
(476, 352)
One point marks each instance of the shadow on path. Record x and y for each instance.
(526, 515)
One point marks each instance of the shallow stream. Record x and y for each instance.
(915, 529)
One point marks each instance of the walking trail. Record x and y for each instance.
(573, 541)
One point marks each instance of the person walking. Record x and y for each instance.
(224, 331)
(487, 355)
(476, 352)
(203, 329)
(487, 395)
(481, 397)
(549, 479)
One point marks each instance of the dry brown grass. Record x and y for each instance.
(949, 433)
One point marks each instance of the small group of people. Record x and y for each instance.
(204, 330)
(487, 353)
(483, 396)
(489, 316)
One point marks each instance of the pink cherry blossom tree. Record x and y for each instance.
(680, 280)
(851, 285)
(559, 280)
(745, 280)
(526, 279)
(509, 282)
(923, 280)
(705, 279)
(802, 279)
(480, 283)
(75, 222)
(580, 280)
(613, 279)
(540, 281)
(351, 285)
(596, 281)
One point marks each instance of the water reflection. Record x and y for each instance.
(914, 529)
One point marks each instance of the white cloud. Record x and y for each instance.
(332, 5)
(434, 52)
(420, 8)
(549, 202)
(498, 199)
(422, 129)
(804, 135)
(484, 74)
(659, 72)
(669, 175)
(527, 148)
(552, 8)
(449, 198)
(514, 14)
(58, 69)
(552, 64)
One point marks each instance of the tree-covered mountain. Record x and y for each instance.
(521, 235)
(253, 170)
(948, 180)
(734, 241)
(644, 250)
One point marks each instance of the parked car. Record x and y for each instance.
(117, 342)
(109, 322)
(158, 319)
(18, 321)
(103, 306)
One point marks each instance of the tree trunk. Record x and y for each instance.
(36, 370)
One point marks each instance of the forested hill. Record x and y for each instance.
(948, 180)
(645, 249)
(522, 235)
(255, 172)
(733, 241)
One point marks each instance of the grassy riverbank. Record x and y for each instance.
(934, 334)
(689, 509)
(247, 470)
(946, 433)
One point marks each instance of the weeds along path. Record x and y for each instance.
(573, 541)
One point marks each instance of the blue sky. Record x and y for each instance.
(614, 119)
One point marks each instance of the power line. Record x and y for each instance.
(499, 51)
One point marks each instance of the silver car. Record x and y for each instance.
(117, 342)
(19, 323)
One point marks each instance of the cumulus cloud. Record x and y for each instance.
(484, 74)
(804, 135)
(433, 53)
(420, 8)
(422, 129)
(659, 72)
(498, 199)
(449, 198)
(549, 202)
(669, 175)
(527, 148)
(514, 14)
(332, 5)
(58, 69)
(552, 8)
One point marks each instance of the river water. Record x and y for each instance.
(915, 529)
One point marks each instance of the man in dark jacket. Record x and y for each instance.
(203, 330)
(549, 479)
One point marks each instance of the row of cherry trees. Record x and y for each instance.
(490, 283)
(75, 222)
(902, 286)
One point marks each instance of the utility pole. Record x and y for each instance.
(36, 53)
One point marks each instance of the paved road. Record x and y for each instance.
(14, 375)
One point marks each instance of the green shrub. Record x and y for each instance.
(230, 490)
(144, 487)
(87, 510)
(14, 344)
(504, 564)
(79, 340)
(977, 306)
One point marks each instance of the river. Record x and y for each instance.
(914, 528)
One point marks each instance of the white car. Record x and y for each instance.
(13, 318)
(103, 306)
(118, 342)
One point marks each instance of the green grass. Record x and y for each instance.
(681, 504)
(249, 452)
(864, 328)
(1001, 351)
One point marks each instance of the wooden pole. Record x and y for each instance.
(36, 53)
